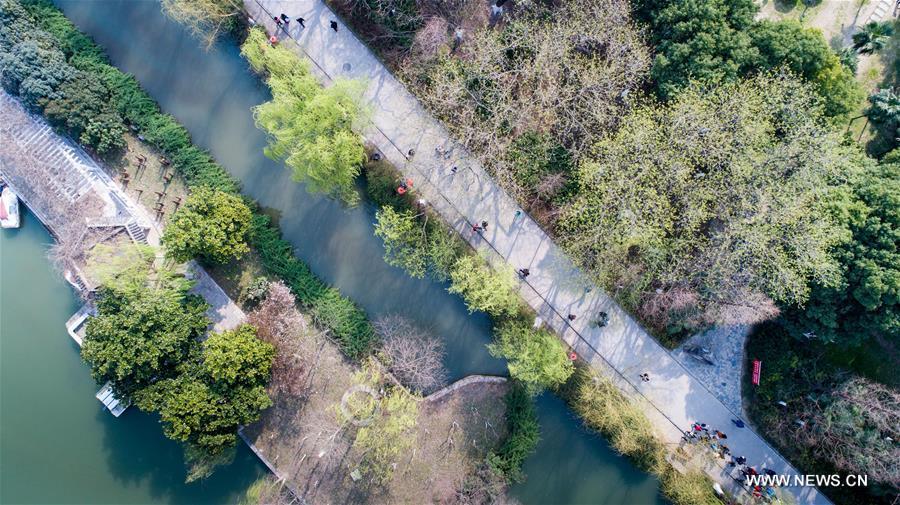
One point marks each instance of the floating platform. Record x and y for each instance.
(75, 327)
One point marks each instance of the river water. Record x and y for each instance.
(57, 444)
(212, 93)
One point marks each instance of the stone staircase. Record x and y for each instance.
(136, 232)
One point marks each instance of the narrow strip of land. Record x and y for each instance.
(409, 137)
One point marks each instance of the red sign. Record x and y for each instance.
(757, 366)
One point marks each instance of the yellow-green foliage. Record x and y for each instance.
(692, 488)
(604, 408)
(392, 430)
(534, 356)
(483, 288)
(309, 127)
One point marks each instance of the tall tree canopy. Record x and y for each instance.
(211, 224)
(866, 302)
(706, 40)
(141, 335)
(721, 191)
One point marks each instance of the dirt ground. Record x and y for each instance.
(304, 439)
(147, 185)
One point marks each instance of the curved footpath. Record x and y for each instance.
(674, 398)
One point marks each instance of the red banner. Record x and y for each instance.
(757, 367)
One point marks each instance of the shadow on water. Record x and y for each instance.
(212, 94)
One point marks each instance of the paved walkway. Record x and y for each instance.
(673, 398)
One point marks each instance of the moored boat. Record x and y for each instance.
(9, 208)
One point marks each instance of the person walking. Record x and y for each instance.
(524, 272)
(301, 22)
(645, 377)
(602, 319)
(453, 170)
(476, 228)
(278, 22)
(571, 317)
(334, 26)
(285, 18)
(484, 225)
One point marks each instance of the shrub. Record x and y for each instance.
(692, 488)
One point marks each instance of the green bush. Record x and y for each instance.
(523, 434)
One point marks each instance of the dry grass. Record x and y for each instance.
(236, 275)
(143, 184)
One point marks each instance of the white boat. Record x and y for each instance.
(109, 400)
(9, 209)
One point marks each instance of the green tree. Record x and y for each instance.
(805, 52)
(206, 418)
(885, 108)
(34, 72)
(121, 268)
(789, 43)
(675, 197)
(865, 304)
(405, 240)
(535, 357)
(85, 110)
(221, 386)
(211, 224)
(485, 289)
(309, 127)
(238, 358)
(704, 40)
(873, 37)
(141, 336)
(394, 414)
(838, 88)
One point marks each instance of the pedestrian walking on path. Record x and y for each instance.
(645, 377)
(334, 26)
(602, 319)
(484, 225)
(524, 272)
(518, 213)
(453, 170)
(278, 21)
(301, 22)
(738, 423)
(285, 18)
(476, 228)
(571, 317)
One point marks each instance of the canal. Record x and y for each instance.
(212, 93)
